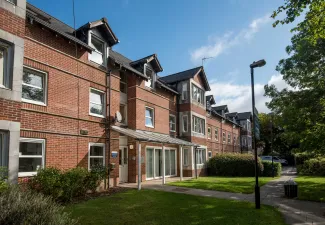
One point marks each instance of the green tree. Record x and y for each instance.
(302, 107)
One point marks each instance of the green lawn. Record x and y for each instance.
(311, 188)
(227, 184)
(155, 207)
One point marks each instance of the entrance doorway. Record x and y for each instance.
(123, 164)
(154, 163)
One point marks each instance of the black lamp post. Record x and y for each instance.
(259, 63)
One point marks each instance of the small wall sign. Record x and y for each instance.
(114, 154)
(131, 146)
(83, 132)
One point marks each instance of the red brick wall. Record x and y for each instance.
(67, 108)
(11, 23)
(9, 110)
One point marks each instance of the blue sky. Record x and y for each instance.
(181, 32)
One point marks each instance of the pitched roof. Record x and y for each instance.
(150, 58)
(125, 62)
(111, 37)
(231, 115)
(185, 75)
(53, 24)
(220, 107)
(244, 116)
(210, 99)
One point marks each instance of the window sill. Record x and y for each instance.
(3, 87)
(96, 115)
(172, 131)
(11, 3)
(103, 65)
(33, 102)
(27, 174)
(149, 126)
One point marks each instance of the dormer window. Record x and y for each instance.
(98, 55)
(149, 74)
(197, 94)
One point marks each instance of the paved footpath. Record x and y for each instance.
(295, 212)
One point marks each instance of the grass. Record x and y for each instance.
(156, 207)
(228, 184)
(311, 188)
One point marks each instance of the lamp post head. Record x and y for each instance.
(259, 63)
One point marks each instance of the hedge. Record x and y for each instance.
(314, 166)
(63, 186)
(304, 156)
(267, 171)
(237, 165)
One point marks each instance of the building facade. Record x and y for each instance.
(68, 99)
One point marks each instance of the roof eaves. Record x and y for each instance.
(167, 87)
(47, 25)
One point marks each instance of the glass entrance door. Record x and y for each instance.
(170, 162)
(154, 163)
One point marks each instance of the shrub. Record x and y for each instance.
(64, 186)
(239, 165)
(304, 156)
(267, 169)
(27, 207)
(314, 166)
(3, 179)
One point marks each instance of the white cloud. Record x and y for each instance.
(218, 45)
(238, 97)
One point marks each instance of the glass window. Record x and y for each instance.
(33, 87)
(4, 148)
(200, 156)
(123, 112)
(123, 83)
(96, 156)
(96, 103)
(149, 117)
(184, 91)
(223, 137)
(216, 134)
(209, 132)
(229, 138)
(31, 156)
(209, 154)
(6, 61)
(13, 1)
(149, 74)
(98, 54)
(185, 157)
(172, 123)
(197, 94)
(234, 140)
(185, 123)
(198, 125)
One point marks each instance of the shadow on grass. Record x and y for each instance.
(154, 207)
(311, 188)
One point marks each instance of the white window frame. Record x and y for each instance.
(170, 122)
(194, 125)
(150, 82)
(199, 95)
(186, 156)
(96, 157)
(224, 137)
(32, 140)
(184, 91)
(209, 154)
(229, 138)
(104, 103)
(125, 83)
(216, 137)
(104, 53)
(200, 152)
(14, 2)
(125, 113)
(209, 133)
(38, 72)
(6, 82)
(185, 128)
(153, 117)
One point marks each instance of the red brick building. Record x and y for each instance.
(77, 102)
